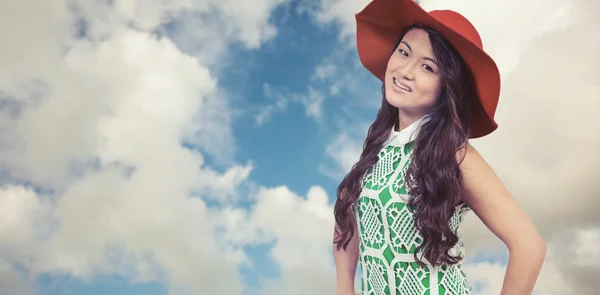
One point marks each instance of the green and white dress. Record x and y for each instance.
(388, 237)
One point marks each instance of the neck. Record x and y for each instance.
(406, 118)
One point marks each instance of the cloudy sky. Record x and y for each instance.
(194, 146)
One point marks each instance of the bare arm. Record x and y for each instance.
(345, 264)
(499, 211)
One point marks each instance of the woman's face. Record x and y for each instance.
(412, 80)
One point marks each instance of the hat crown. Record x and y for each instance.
(459, 24)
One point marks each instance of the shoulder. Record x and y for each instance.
(478, 177)
(469, 159)
(480, 184)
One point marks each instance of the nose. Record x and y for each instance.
(407, 70)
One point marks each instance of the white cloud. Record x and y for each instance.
(345, 152)
(240, 21)
(148, 94)
(11, 282)
(96, 125)
(281, 98)
(302, 229)
(313, 102)
(340, 12)
(325, 71)
(23, 218)
(223, 186)
(584, 247)
(507, 42)
(489, 275)
(280, 101)
(561, 274)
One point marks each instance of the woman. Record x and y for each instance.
(400, 207)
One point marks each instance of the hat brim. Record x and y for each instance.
(379, 26)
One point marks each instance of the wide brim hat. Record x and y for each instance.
(380, 24)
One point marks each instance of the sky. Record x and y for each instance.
(195, 146)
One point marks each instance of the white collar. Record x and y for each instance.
(406, 135)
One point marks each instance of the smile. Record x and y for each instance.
(401, 86)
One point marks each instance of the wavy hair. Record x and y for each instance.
(433, 177)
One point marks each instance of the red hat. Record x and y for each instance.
(380, 24)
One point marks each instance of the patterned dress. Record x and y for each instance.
(388, 237)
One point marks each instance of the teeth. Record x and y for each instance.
(401, 86)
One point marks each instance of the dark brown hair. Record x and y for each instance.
(433, 177)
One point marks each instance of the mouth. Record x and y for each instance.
(401, 86)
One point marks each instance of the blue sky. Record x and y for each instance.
(196, 148)
(289, 147)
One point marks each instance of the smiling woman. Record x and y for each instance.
(400, 208)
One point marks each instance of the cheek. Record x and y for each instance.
(432, 87)
(394, 62)
(390, 67)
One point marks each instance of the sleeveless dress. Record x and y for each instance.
(388, 237)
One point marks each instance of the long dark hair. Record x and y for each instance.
(433, 177)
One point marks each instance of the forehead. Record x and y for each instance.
(418, 40)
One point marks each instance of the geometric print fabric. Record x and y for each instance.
(388, 237)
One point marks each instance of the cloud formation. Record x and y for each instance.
(94, 110)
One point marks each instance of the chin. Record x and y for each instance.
(395, 100)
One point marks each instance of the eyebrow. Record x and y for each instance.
(427, 58)
(405, 43)
(433, 61)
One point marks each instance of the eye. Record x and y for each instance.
(428, 68)
(403, 52)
